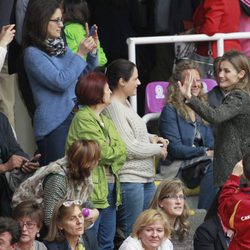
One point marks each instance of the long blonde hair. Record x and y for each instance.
(174, 95)
(172, 187)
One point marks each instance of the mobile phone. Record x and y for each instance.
(92, 30)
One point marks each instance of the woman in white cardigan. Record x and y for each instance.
(6, 36)
(137, 174)
(150, 232)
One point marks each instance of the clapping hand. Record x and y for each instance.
(7, 34)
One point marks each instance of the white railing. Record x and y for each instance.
(133, 41)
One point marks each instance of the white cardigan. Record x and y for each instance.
(134, 244)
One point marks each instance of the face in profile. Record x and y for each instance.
(130, 87)
(197, 84)
(73, 222)
(228, 75)
(107, 93)
(173, 204)
(5, 241)
(55, 25)
(29, 229)
(152, 235)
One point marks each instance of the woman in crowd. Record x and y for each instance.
(170, 198)
(30, 217)
(66, 231)
(232, 118)
(68, 177)
(190, 137)
(93, 94)
(6, 36)
(52, 70)
(151, 231)
(76, 15)
(137, 174)
(213, 17)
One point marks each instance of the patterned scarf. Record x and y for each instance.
(56, 46)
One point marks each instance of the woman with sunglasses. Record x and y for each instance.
(66, 231)
(30, 217)
(52, 70)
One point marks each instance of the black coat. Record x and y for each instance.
(89, 238)
(210, 236)
(232, 131)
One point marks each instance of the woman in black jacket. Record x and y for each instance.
(67, 228)
(232, 118)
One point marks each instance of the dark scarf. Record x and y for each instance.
(56, 46)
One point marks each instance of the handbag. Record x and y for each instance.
(205, 62)
(192, 173)
(189, 171)
(245, 6)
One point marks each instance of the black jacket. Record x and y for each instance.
(210, 236)
(89, 238)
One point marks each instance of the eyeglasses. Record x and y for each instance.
(69, 203)
(174, 197)
(58, 21)
(28, 224)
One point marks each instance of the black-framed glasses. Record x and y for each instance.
(58, 21)
(174, 197)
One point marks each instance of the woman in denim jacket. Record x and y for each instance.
(190, 137)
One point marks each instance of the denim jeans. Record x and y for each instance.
(135, 198)
(207, 190)
(105, 225)
(52, 146)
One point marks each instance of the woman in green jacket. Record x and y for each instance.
(93, 94)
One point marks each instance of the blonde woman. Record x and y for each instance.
(151, 231)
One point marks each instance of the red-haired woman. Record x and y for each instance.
(93, 94)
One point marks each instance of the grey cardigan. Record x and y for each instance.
(232, 130)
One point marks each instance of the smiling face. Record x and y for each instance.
(228, 75)
(55, 26)
(130, 86)
(152, 235)
(72, 223)
(173, 204)
(29, 229)
(197, 84)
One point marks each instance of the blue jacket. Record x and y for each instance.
(52, 80)
(181, 133)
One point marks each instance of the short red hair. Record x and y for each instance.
(90, 88)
